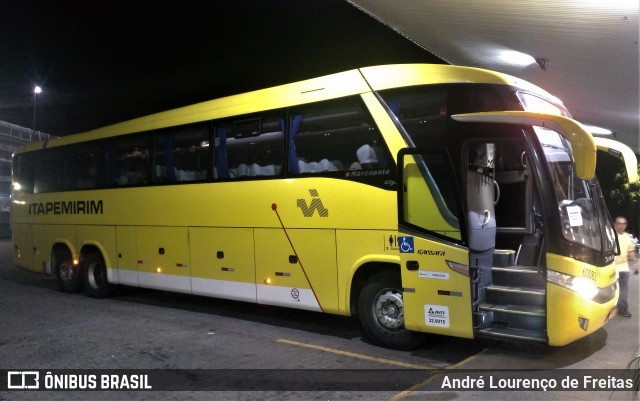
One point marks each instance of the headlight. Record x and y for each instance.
(583, 286)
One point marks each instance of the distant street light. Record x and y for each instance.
(36, 91)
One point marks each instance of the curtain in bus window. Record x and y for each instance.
(222, 165)
(255, 146)
(168, 157)
(421, 111)
(101, 167)
(395, 107)
(182, 154)
(293, 157)
(110, 167)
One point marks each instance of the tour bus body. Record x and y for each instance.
(421, 198)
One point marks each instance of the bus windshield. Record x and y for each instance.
(583, 218)
(424, 114)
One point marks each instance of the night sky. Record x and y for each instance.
(101, 62)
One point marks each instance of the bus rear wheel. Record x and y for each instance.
(381, 313)
(95, 278)
(67, 273)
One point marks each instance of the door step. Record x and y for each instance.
(511, 334)
(513, 305)
(523, 276)
(505, 295)
(511, 317)
(527, 310)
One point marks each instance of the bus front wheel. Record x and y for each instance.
(95, 277)
(381, 313)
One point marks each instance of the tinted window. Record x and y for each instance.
(424, 111)
(23, 170)
(250, 146)
(182, 154)
(339, 138)
(81, 167)
(336, 138)
(128, 160)
(48, 174)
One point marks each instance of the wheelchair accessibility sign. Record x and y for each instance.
(405, 244)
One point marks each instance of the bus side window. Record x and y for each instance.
(48, 174)
(131, 160)
(422, 111)
(81, 166)
(332, 136)
(23, 172)
(182, 154)
(249, 147)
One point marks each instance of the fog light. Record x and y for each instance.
(584, 323)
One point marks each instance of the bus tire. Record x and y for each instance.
(381, 313)
(95, 276)
(67, 274)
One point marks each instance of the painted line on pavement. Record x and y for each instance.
(355, 355)
(417, 387)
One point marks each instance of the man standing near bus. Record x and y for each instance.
(627, 254)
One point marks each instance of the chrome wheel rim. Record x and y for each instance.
(389, 309)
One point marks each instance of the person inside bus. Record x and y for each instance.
(367, 158)
(627, 254)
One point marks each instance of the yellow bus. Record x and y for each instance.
(419, 198)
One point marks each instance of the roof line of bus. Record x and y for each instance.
(351, 82)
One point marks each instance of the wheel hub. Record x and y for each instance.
(66, 271)
(389, 309)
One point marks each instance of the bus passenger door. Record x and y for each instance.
(434, 264)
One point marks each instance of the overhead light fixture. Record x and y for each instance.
(594, 130)
(515, 58)
(489, 53)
